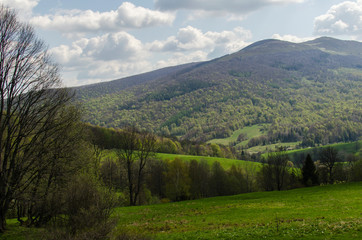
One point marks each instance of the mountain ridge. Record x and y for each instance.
(292, 86)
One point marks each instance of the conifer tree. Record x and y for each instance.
(309, 172)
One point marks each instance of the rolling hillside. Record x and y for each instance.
(323, 212)
(309, 92)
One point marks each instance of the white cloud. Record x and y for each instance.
(108, 56)
(111, 46)
(291, 38)
(126, 16)
(24, 7)
(232, 6)
(341, 19)
(193, 39)
(120, 54)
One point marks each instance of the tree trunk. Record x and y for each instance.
(2, 221)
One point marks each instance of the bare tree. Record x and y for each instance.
(135, 151)
(328, 157)
(31, 114)
(275, 171)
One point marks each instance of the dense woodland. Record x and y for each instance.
(306, 92)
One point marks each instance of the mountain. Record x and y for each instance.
(308, 92)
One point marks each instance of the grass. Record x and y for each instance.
(325, 212)
(252, 131)
(349, 148)
(226, 163)
(16, 232)
(272, 147)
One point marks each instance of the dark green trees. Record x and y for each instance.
(309, 172)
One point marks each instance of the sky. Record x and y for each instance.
(96, 41)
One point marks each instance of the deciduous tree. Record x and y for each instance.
(32, 109)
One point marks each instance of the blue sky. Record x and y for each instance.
(95, 41)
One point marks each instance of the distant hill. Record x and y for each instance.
(308, 92)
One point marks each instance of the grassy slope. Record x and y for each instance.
(272, 147)
(226, 163)
(252, 131)
(351, 147)
(326, 212)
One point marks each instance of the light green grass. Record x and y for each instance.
(351, 147)
(352, 71)
(252, 131)
(326, 212)
(271, 147)
(226, 163)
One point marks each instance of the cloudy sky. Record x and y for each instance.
(97, 41)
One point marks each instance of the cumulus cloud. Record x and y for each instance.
(341, 19)
(126, 16)
(107, 56)
(111, 46)
(193, 39)
(120, 54)
(24, 7)
(291, 38)
(233, 6)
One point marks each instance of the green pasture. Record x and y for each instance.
(272, 147)
(251, 131)
(226, 163)
(324, 212)
(343, 148)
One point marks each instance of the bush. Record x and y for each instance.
(87, 211)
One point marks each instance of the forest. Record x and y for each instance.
(271, 82)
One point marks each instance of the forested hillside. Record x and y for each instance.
(309, 92)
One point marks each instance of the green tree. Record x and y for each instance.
(309, 172)
(178, 180)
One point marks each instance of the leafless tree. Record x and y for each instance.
(328, 157)
(275, 171)
(32, 109)
(136, 148)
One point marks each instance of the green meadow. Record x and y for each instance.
(323, 212)
(250, 132)
(226, 163)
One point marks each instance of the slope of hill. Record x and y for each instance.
(308, 92)
(323, 212)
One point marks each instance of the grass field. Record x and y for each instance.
(252, 131)
(325, 212)
(226, 163)
(343, 148)
(272, 147)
